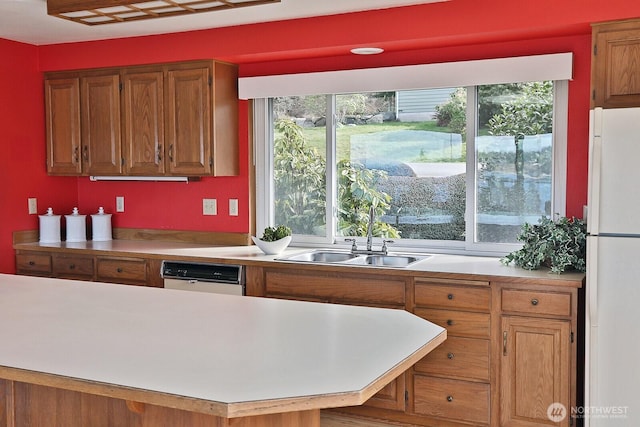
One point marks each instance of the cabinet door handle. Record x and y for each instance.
(76, 156)
(449, 398)
(160, 152)
(85, 152)
(450, 296)
(171, 152)
(32, 263)
(450, 322)
(504, 343)
(72, 266)
(450, 356)
(534, 301)
(119, 270)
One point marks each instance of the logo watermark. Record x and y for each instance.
(557, 412)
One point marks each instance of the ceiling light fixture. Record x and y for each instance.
(100, 12)
(367, 50)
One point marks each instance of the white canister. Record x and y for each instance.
(101, 225)
(49, 227)
(76, 227)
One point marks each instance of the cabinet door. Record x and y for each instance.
(535, 371)
(188, 122)
(62, 109)
(616, 76)
(143, 98)
(101, 150)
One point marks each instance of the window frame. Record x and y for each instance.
(263, 162)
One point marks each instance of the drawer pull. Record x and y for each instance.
(119, 269)
(32, 263)
(534, 301)
(449, 398)
(450, 355)
(72, 266)
(449, 322)
(450, 296)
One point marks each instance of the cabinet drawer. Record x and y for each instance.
(122, 270)
(338, 288)
(452, 296)
(73, 266)
(458, 323)
(536, 302)
(458, 400)
(459, 358)
(39, 264)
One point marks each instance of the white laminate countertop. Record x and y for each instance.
(435, 263)
(242, 355)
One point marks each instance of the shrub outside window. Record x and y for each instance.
(450, 168)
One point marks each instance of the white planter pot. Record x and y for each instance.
(272, 248)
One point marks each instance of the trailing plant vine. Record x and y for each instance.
(560, 245)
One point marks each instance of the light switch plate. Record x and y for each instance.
(233, 207)
(119, 203)
(33, 205)
(209, 207)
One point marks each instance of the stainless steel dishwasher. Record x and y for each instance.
(204, 277)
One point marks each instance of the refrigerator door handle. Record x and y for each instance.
(595, 170)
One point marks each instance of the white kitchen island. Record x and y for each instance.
(76, 353)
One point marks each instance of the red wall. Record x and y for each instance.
(450, 31)
(22, 136)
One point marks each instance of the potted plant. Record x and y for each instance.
(559, 245)
(274, 239)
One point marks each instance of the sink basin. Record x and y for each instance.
(321, 256)
(392, 260)
(338, 257)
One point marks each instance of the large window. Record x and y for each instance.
(450, 169)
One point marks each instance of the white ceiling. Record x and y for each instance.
(27, 20)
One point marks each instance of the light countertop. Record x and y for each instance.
(239, 355)
(435, 263)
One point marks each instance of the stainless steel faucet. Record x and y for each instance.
(370, 229)
(369, 250)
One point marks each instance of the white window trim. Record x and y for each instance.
(530, 69)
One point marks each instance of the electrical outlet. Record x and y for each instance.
(33, 205)
(119, 203)
(209, 207)
(233, 207)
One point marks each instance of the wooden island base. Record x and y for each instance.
(23, 404)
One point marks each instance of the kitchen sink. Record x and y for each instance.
(338, 257)
(392, 260)
(321, 256)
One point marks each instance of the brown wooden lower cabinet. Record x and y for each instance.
(452, 399)
(511, 349)
(111, 269)
(341, 288)
(73, 266)
(470, 379)
(535, 370)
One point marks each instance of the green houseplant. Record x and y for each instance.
(274, 239)
(557, 244)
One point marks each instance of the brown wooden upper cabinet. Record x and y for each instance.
(62, 104)
(153, 120)
(615, 77)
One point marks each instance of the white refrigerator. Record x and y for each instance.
(612, 315)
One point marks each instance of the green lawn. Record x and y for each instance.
(316, 136)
